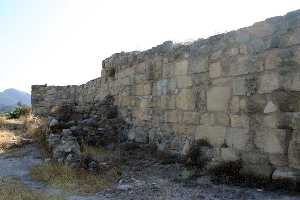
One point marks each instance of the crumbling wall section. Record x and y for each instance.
(238, 91)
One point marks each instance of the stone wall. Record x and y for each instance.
(239, 91)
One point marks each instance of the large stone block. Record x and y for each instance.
(218, 98)
(215, 135)
(271, 140)
(239, 121)
(167, 102)
(173, 116)
(207, 119)
(181, 67)
(184, 100)
(184, 81)
(191, 118)
(294, 151)
(228, 155)
(235, 104)
(215, 70)
(268, 83)
(222, 119)
(199, 64)
(291, 81)
(272, 59)
(286, 174)
(237, 138)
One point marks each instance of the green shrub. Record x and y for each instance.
(18, 112)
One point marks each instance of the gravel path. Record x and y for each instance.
(142, 179)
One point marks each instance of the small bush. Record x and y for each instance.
(18, 112)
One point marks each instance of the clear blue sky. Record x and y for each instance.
(64, 41)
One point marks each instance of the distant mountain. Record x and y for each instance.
(10, 97)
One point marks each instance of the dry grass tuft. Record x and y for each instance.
(8, 139)
(2, 121)
(13, 189)
(69, 179)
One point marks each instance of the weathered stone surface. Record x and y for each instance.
(215, 135)
(191, 118)
(268, 83)
(239, 121)
(184, 81)
(239, 91)
(262, 171)
(271, 140)
(286, 173)
(184, 100)
(294, 152)
(228, 154)
(218, 98)
(215, 70)
(181, 67)
(270, 107)
(237, 138)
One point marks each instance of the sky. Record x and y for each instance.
(63, 42)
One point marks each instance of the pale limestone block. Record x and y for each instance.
(215, 70)
(235, 104)
(268, 83)
(215, 135)
(239, 121)
(228, 155)
(270, 107)
(222, 119)
(207, 119)
(218, 98)
(191, 118)
(271, 140)
(184, 81)
(237, 138)
(181, 67)
(294, 151)
(184, 100)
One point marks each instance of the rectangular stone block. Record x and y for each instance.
(237, 138)
(268, 82)
(184, 81)
(181, 67)
(167, 102)
(173, 116)
(239, 86)
(184, 100)
(191, 118)
(215, 135)
(215, 70)
(207, 119)
(271, 140)
(218, 98)
(239, 121)
(198, 64)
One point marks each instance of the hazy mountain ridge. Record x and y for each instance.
(10, 97)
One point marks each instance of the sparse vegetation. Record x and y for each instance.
(70, 179)
(18, 112)
(13, 189)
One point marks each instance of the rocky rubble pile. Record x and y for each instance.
(68, 133)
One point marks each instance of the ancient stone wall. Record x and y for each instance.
(239, 91)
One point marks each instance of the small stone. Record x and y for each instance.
(270, 107)
(53, 123)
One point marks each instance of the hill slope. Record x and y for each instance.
(10, 97)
